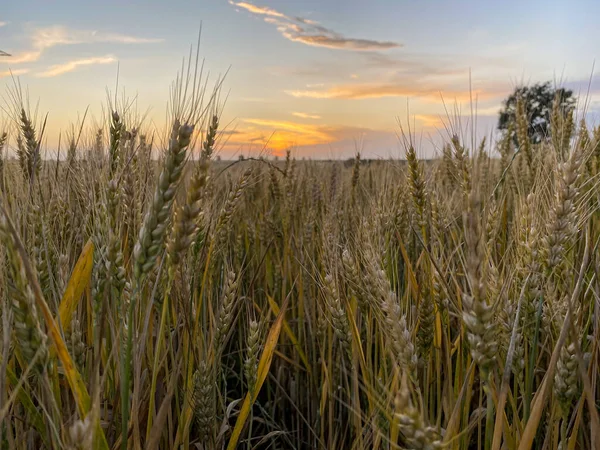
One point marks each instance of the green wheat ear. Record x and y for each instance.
(150, 240)
(29, 335)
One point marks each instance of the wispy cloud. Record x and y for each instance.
(310, 32)
(8, 73)
(336, 41)
(260, 10)
(381, 90)
(2, 24)
(46, 38)
(355, 92)
(70, 66)
(59, 35)
(305, 115)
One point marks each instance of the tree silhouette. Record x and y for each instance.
(538, 100)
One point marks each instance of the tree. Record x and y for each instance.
(538, 101)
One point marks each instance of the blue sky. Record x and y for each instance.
(325, 77)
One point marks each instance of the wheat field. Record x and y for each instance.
(153, 296)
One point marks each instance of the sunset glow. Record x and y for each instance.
(304, 75)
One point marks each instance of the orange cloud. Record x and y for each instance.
(373, 90)
(305, 116)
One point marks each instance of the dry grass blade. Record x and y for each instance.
(78, 283)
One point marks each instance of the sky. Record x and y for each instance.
(325, 78)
